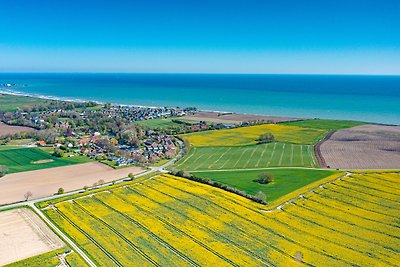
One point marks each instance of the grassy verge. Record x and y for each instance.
(48, 259)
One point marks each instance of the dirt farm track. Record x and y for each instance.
(46, 182)
(363, 147)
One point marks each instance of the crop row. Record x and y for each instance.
(255, 156)
(172, 221)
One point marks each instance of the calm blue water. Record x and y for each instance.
(366, 98)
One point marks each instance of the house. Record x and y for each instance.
(41, 143)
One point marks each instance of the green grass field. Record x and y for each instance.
(163, 123)
(48, 259)
(12, 102)
(248, 157)
(286, 180)
(23, 159)
(327, 125)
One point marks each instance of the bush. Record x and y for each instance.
(58, 153)
(60, 191)
(265, 178)
(130, 175)
(3, 171)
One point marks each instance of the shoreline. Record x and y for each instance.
(79, 100)
(5, 91)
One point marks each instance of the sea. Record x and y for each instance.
(348, 97)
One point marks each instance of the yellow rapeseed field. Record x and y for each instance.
(168, 220)
(249, 135)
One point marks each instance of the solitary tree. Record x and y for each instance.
(60, 191)
(266, 138)
(27, 195)
(265, 178)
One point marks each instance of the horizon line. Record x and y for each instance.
(195, 73)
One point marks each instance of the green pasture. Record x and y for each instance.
(23, 159)
(286, 180)
(328, 125)
(248, 157)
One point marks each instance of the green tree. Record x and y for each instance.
(60, 191)
(268, 137)
(265, 178)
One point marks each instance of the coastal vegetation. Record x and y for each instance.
(170, 220)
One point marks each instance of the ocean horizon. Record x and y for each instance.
(351, 97)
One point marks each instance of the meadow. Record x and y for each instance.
(327, 125)
(248, 157)
(285, 180)
(249, 135)
(28, 159)
(13, 102)
(163, 122)
(168, 220)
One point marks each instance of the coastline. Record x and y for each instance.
(80, 100)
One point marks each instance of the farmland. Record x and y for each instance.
(285, 180)
(168, 220)
(327, 125)
(24, 235)
(363, 147)
(248, 157)
(249, 135)
(28, 159)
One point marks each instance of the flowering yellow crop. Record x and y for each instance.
(249, 135)
(174, 221)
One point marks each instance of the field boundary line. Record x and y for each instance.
(255, 169)
(64, 236)
(301, 195)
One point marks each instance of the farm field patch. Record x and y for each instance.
(327, 125)
(285, 180)
(248, 157)
(249, 135)
(45, 182)
(24, 235)
(170, 220)
(26, 159)
(9, 129)
(363, 147)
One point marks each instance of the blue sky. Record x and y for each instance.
(285, 36)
